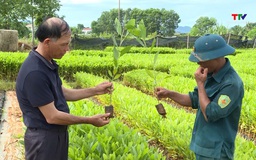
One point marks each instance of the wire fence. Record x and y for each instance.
(177, 42)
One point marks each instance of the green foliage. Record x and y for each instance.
(252, 33)
(14, 14)
(80, 27)
(75, 31)
(160, 21)
(143, 81)
(113, 141)
(236, 30)
(134, 105)
(219, 29)
(117, 51)
(41, 9)
(114, 74)
(136, 110)
(203, 25)
(7, 85)
(154, 50)
(140, 33)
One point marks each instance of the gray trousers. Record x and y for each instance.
(43, 144)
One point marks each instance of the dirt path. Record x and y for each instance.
(11, 129)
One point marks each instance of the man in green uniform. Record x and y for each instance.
(217, 96)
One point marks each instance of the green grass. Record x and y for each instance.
(10, 86)
(7, 85)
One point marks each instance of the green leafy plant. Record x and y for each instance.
(118, 51)
(153, 74)
(140, 33)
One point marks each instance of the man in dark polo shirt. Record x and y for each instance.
(217, 98)
(42, 98)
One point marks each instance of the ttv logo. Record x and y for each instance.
(240, 16)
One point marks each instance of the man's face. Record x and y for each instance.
(60, 46)
(210, 64)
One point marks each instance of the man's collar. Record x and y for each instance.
(52, 65)
(222, 72)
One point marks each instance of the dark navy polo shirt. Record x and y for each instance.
(225, 89)
(38, 84)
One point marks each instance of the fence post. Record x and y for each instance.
(254, 43)
(228, 37)
(157, 41)
(188, 41)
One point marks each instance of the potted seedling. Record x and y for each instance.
(153, 74)
(140, 34)
(118, 52)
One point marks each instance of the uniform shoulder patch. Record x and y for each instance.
(223, 101)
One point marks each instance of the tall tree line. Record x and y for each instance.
(162, 21)
(205, 25)
(16, 14)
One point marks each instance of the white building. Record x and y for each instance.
(87, 30)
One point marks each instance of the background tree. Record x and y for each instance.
(80, 27)
(40, 10)
(160, 21)
(219, 29)
(236, 30)
(203, 25)
(252, 33)
(169, 22)
(136, 14)
(75, 30)
(15, 14)
(105, 23)
(96, 29)
(43, 9)
(248, 27)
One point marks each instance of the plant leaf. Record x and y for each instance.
(143, 30)
(125, 50)
(140, 41)
(115, 70)
(117, 76)
(130, 25)
(114, 40)
(118, 26)
(167, 77)
(150, 73)
(155, 58)
(94, 146)
(110, 74)
(153, 45)
(116, 53)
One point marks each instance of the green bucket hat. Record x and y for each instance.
(208, 47)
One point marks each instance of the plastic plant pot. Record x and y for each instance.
(160, 109)
(110, 109)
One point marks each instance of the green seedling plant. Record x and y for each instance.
(153, 74)
(118, 51)
(140, 33)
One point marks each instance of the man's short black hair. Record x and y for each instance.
(52, 28)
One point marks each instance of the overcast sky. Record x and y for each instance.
(86, 11)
